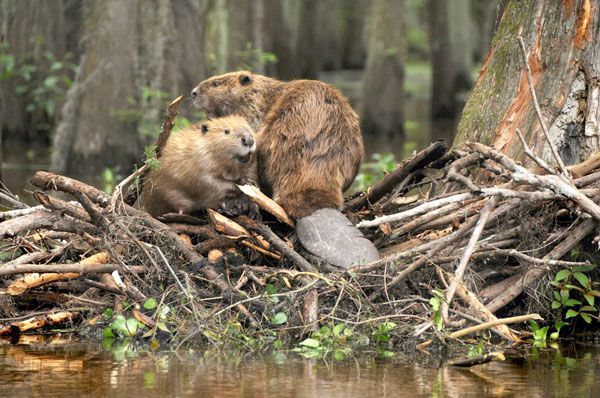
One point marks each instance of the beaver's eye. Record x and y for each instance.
(204, 128)
(227, 131)
(215, 84)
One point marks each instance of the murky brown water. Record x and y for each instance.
(64, 367)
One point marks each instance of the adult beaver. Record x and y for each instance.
(200, 167)
(309, 149)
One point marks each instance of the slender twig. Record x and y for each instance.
(538, 112)
(462, 265)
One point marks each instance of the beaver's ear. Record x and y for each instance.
(245, 80)
(204, 128)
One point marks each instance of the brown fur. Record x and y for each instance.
(200, 166)
(308, 137)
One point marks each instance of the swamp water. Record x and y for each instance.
(39, 366)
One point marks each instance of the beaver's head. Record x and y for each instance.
(232, 140)
(242, 93)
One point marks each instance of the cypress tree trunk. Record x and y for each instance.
(382, 97)
(563, 39)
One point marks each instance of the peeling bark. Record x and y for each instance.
(564, 47)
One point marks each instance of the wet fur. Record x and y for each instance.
(199, 168)
(309, 143)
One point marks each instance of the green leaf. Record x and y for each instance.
(338, 329)
(582, 279)
(588, 308)
(562, 275)
(584, 268)
(559, 325)
(555, 305)
(594, 293)
(107, 313)
(107, 333)
(586, 317)
(554, 336)
(50, 81)
(387, 354)
(534, 325)
(589, 298)
(150, 303)
(279, 319)
(310, 343)
(435, 303)
(339, 355)
(132, 325)
(571, 314)
(556, 295)
(572, 303)
(163, 327)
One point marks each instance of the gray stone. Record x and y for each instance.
(328, 234)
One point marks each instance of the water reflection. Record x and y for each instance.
(58, 366)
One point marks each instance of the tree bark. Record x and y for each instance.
(563, 39)
(30, 28)
(443, 102)
(128, 66)
(383, 87)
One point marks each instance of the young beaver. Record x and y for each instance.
(200, 166)
(309, 149)
(308, 138)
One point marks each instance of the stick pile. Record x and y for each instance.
(471, 224)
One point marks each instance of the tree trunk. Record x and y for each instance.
(29, 29)
(307, 58)
(563, 39)
(383, 87)
(443, 71)
(355, 17)
(278, 41)
(129, 69)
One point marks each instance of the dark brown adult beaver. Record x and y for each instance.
(200, 167)
(309, 148)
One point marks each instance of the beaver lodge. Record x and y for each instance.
(472, 243)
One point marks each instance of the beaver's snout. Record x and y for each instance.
(247, 140)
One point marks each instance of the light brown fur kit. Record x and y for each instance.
(309, 143)
(200, 166)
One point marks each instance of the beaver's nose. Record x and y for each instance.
(195, 92)
(247, 140)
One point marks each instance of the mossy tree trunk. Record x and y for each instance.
(381, 107)
(563, 39)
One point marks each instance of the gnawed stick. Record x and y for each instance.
(477, 360)
(420, 160)
(462, 265)
(278, 243)
(494, 323)
(481, 312)
(266, 203)
(38, 322)
(576, 235)
(163, 137)
(43, 219)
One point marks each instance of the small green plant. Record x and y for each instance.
(108, 179)
(575, 293)
(329, 339)
(150, 157)
(436, 308)
(540, 334)
(122, 327)
(382, 336)
(477, 350)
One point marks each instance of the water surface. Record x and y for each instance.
(66, 367)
